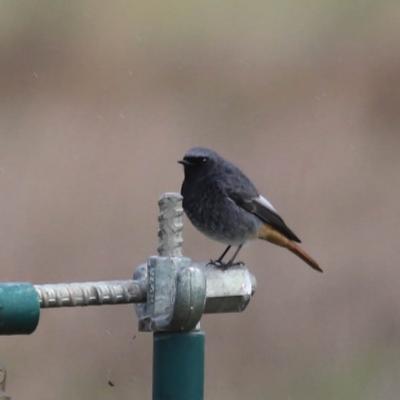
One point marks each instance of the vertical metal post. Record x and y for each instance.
(178, 366)
(178, 357)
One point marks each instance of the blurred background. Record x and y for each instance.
(98, 101)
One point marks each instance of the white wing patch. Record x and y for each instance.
(262, 200)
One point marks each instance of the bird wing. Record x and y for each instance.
(264, 210)
(238, 187)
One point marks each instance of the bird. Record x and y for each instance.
(223, 204)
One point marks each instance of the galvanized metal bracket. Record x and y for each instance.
(176, 294)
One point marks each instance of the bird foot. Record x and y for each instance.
(219, 264)
(236, 264)
(224, 266)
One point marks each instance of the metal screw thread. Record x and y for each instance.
(90, 293)
(170, 225)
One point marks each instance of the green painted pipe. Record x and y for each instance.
(19, 308)
(178, 366)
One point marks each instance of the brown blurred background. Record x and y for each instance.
(98, 101)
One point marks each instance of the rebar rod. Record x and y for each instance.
(91, 293)
(170, 225)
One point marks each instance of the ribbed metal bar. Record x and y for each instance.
(170, 225)
(91, 293)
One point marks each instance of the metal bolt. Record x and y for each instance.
(230, 290)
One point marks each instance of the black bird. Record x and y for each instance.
(222, 202)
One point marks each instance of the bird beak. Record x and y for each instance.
(184, 162)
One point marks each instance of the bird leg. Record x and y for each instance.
(218, 261)
(230, 263)
(221, 257)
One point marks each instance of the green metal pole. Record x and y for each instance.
(178, 366)
(19, 308)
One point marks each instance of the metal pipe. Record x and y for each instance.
(19, 308)
(178, 365)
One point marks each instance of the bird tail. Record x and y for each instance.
(267, 232)
(296, 249)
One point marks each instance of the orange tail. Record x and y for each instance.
(296, 249)
(267, 232)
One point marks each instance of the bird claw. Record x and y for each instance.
(224, 266)
(215, 263)
(235, 264)
(239, 263)
(219, 264)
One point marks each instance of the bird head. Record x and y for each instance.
(199, 159)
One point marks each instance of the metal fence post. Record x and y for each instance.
(178, 357)
(178, 365)
(170, 292)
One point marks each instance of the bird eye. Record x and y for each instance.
(204, 159)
